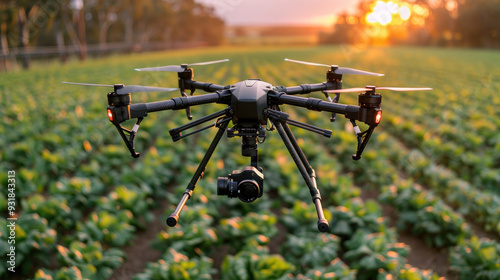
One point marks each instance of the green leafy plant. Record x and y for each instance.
(111, 228)
(370, 252)
(55, 209)
(237, 230)
(31, 179)
(408, 273)
(336, 270)
(81, 192)
(425, 215)
(344, 190)
(355, 214)
(130, 198)
(91, 259)
(34, 240)
(246, 265)
(478, 259)
(311, 250)
(176, 266)
(65, 273)
(193, 238)
(302, 218)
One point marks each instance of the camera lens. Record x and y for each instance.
(222, 185)
(226, 186)
(248, 190)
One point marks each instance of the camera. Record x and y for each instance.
(246, 184)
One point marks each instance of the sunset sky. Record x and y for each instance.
(276, 12)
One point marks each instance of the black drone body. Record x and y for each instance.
(249, 101)
(250, 106)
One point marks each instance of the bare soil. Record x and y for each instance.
(140, 252)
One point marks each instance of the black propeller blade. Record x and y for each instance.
(338, 70)
(122, 89)
(179, 68)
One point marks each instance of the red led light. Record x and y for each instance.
(110, 115)
(378, 117)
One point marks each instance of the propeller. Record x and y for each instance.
(372, 88)
(336, 69)
(179, 68)
(122, 89)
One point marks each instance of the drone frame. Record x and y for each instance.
(368, 111)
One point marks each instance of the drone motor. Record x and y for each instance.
(118, 107)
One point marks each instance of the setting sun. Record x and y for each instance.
(385, 13)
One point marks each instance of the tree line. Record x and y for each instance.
(464, 23)
(25, 24)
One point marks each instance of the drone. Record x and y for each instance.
(251, 105)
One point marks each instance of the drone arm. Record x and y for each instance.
(315, 104)
(142, 109)
(183, 102)
(208, 87)
(307, 88)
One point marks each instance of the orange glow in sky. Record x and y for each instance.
(386, 12)
(281, 12)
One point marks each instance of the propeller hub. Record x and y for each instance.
(370, 89)
(118, 86)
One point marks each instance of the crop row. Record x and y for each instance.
(460, 194)
(424, 214)
(477, 165)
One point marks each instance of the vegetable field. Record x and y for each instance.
(422, 203)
